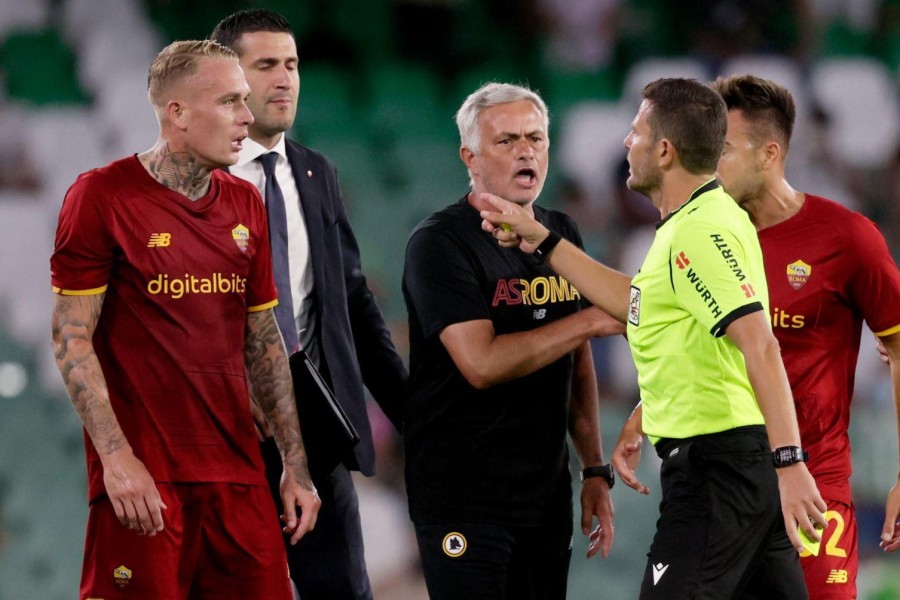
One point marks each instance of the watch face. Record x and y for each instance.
(788, 455)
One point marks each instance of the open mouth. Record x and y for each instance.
(526, 177)
(238, 143)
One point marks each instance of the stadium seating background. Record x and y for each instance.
(381, 81)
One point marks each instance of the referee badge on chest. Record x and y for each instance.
(634, 306)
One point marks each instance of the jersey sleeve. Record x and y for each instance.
(261, 291)
(85, 246)
(441, 282)
(875, 284)
(710, 275)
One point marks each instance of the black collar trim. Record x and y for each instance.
(706, 187)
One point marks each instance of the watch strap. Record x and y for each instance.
(604, 471)
(542, 252)
(788, 455)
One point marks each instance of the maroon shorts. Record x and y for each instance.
(220, 541)
(832, 574)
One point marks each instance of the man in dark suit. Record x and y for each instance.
(327, 308)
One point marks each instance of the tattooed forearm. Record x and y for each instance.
(178, 171)
(270, 382)
(74, 321)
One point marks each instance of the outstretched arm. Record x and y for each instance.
(130, 487)
(801, 502)
(584, 428)
(604, 287)
(269, 376)
(890, 533)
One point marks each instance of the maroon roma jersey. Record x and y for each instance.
(180, 277)
(828, 269)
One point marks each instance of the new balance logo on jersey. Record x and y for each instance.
(837, 576)
(539, 314)
(682, 261)
(658, 570)
(160, 240)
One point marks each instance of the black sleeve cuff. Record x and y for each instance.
(718, 330)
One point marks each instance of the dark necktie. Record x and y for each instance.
(278, 238)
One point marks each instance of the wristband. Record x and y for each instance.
(542, 252)
(606, 472)
(788, 455)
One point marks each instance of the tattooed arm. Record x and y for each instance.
(129, 486)
(269, 376)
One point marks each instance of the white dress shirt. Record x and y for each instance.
(301, 274)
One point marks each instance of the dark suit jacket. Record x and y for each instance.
(356, 347)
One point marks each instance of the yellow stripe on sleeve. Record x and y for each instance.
(90, 292)
(262, 306)
(888, 332)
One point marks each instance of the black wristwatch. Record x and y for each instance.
(546, 247)
(788, 455)
(606, 472)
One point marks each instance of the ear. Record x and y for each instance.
(771, 154)
(176, 113)
(666, 153)
(468, 158)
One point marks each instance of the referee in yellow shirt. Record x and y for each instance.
(715, 399)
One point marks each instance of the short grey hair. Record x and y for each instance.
(492, 94)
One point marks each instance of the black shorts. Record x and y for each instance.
(479, 561)
(721, 532)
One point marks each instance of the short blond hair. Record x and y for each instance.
(179, 60)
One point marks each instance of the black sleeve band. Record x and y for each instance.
(542, 252)
(718, 330)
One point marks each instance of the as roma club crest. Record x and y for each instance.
(455, 544)
(241, 236)
(122, 576)
(798, 274)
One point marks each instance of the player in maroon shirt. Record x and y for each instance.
(162, 321)
(828, 269)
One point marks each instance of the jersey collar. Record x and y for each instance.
(706, 187)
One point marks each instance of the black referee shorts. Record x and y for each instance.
(720, 532)
(479, 561)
